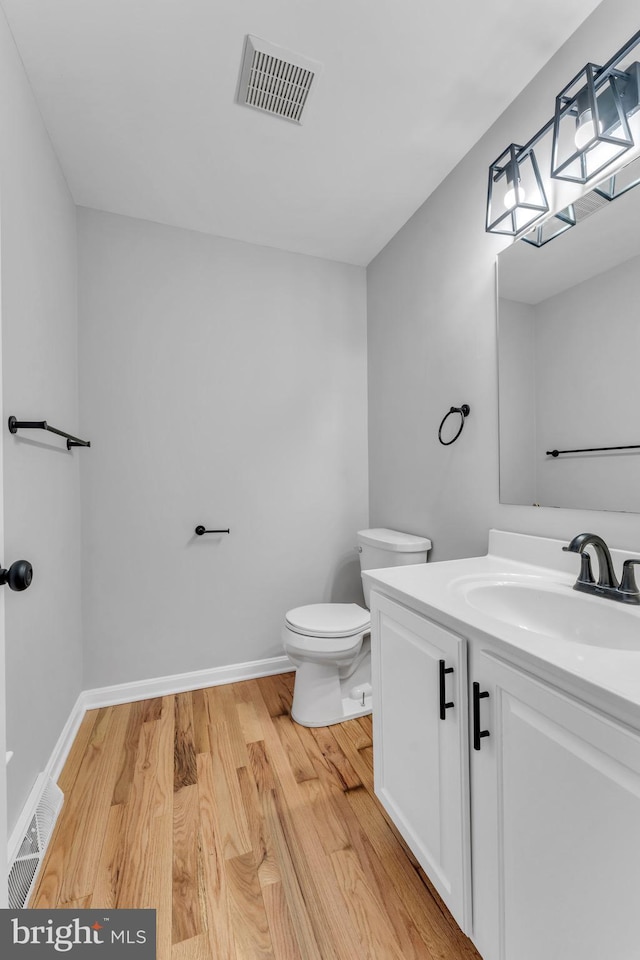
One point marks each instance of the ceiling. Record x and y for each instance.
(139, 100)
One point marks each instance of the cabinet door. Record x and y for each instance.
(555, 825)
(421, 760)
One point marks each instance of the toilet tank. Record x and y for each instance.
(389, 548)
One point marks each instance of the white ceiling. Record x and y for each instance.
(139, 99)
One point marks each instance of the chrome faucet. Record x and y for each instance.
(607, 586)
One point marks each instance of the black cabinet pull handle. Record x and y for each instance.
(444, 706)
(200, 530)
(478, 734)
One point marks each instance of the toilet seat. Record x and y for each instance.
(331, 631)
(329, 621)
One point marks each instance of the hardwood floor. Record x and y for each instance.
(253, 837)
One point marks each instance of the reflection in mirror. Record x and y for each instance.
(569, 354)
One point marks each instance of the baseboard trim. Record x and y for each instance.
(62, 748)
(128, 693)
(183, 682)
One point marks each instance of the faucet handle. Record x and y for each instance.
(628, 583)
(586, 573)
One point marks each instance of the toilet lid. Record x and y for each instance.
(329, 619)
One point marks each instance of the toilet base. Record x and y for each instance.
(350, 710)
(326, 693)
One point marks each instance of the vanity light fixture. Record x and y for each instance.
(590, 126)
(551, 228)
(609, 188)
(622, 180)
(590, 133)
(516, 196)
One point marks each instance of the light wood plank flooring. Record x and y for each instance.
(253, 837)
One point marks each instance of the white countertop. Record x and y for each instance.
(608, 678)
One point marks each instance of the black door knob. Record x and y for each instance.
(18, 576)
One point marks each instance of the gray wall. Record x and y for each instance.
(432, 343)
(222, 383)
(39, 381)
(516, 360)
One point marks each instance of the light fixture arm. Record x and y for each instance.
(609, 69)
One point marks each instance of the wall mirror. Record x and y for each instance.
(569, 358)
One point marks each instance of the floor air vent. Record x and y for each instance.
(34, 840)
(275, 80)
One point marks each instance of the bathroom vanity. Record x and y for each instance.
(507, 746)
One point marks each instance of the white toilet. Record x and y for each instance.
(329, 643)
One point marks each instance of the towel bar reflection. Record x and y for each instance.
(15, 425)
(200, 530)
(627, 446)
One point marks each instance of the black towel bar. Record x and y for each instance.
(628, 446)
(15, 425)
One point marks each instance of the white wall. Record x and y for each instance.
(221, 383)
(39, 381)
(516, 360)
(432, 342)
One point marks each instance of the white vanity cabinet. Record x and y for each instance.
(421, 760)
(521, 802)
(555, 791)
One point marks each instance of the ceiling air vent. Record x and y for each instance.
(588, 204)
(276, 80)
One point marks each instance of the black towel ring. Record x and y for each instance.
(464, 411)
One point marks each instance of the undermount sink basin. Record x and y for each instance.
(556, 610)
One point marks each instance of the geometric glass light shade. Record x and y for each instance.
(560, 222)
(515, 196)
(590, 128)
(622, 180)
